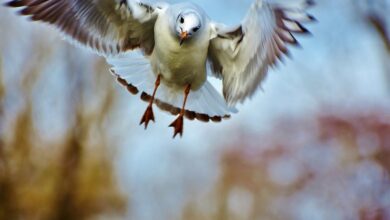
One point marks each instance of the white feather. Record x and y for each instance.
(135, 68)
(242, 57)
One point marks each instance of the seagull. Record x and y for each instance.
(167, 52)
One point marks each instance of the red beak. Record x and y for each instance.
(183, 36)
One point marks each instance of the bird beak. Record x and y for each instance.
(183, 36)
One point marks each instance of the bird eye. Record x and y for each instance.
(195, 29)
(182, 20)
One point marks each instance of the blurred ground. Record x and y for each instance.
(314, 145)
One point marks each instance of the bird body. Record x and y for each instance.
(167, 52)
(179, 65)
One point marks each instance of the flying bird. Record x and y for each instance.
(166, 52)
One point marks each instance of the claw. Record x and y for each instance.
(178, 123)
(177, 126)
(147, 117)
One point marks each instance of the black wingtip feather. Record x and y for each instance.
(303, 29)
(312, 18)
(288, 54)
(13, 4)
(294, 42)
(310, 3)
(298, 45)
(25, 11)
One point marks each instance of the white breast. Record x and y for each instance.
(179, 65)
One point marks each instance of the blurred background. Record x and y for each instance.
(314, 144)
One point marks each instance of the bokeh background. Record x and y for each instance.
(313, 145)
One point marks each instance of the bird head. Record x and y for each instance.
(187, 25)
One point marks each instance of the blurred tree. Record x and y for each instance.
(333, 166)
(71, 177)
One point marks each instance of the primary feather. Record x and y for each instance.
(242, 55)
(106, 26)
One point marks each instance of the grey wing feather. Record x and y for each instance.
(106, 26)
(242, 55)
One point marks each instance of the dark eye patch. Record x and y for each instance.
(195, 29)
(182, 20)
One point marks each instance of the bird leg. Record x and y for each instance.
(178, 123)
(148, 115)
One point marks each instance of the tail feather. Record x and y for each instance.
(134, 71)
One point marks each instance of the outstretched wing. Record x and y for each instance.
(242, 55)
(107, 26)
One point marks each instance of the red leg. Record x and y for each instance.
(178, 123)
(148, 115)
